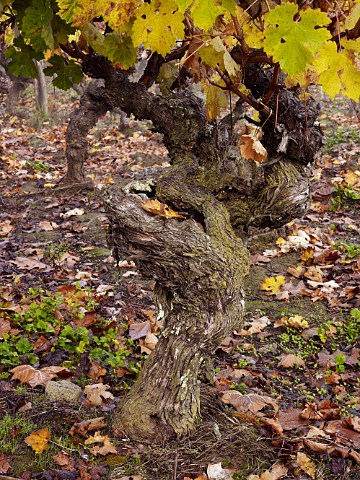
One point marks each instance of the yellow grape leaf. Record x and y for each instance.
(80, 12)
(353, 17)
(251, 148)
(216, 101)
(307, 254)
(294, 43)
(273, 284)
(306, 464)
(204, 13)
(158, 25)
(158, 208)
(38, 440)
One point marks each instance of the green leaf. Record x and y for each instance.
(204, 13)
(22, 59)
(36, 25)
(120, 50)
(294, 43)
(158, 25)
(67, 74)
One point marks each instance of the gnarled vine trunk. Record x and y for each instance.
(199, 263)
(93, 105)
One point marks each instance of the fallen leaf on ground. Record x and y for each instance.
(28, 374)
(158, 208)
(82, 428)
(104, 449)
(5, 228)
(47, 226)
(249, 403)
(139, 330)
(38, 440)
(306, 464)
(297, 321)
(5, 327)
(290, 361)
(256, 326)
(216, 472)
(28, 263)
(64, 460)
(273, 284)
(277, 471)
(96, 394)
(73, 213)
(148, 343)
(4, 464)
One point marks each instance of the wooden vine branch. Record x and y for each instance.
(259, 106)
(273, 86)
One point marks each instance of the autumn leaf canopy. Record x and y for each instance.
(215, 40)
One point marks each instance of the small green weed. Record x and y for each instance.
(343, 194)
(352, 249)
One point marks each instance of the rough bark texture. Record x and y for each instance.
(41, 97)
(199, 264)
(93, 105)
(198, 292)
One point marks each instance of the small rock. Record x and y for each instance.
(62, 391)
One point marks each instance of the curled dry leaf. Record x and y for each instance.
(38, 440)
(82, 428)
(28, 374)
(277, 471)
(256, 326)
(104, 449)
(297, 321)
(306, 464)
(158, 208)
(251, 148)
(64, 460)
(290, 361)
(4, 464)
(96, 394)
(5, 228)
(249, 403)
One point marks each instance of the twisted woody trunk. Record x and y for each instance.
(199, 263)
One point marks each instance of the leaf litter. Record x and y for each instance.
(292, 377)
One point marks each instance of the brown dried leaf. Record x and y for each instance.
(47, 226)
(343, 434)
(64, 460)
(290, 419)
(28, 263)
(353, 422)
(249, 403)
(96, 394)
(5, 228)
(104, 449)
(28, 374)
(139, 330)
(158, 208)
(290, 361)
(5, 327)
(4, 464)
(273, 424)
(38, 440)
(82, 428)
(251, 148)
(256, 325)
(306, 464)
(277, 471)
